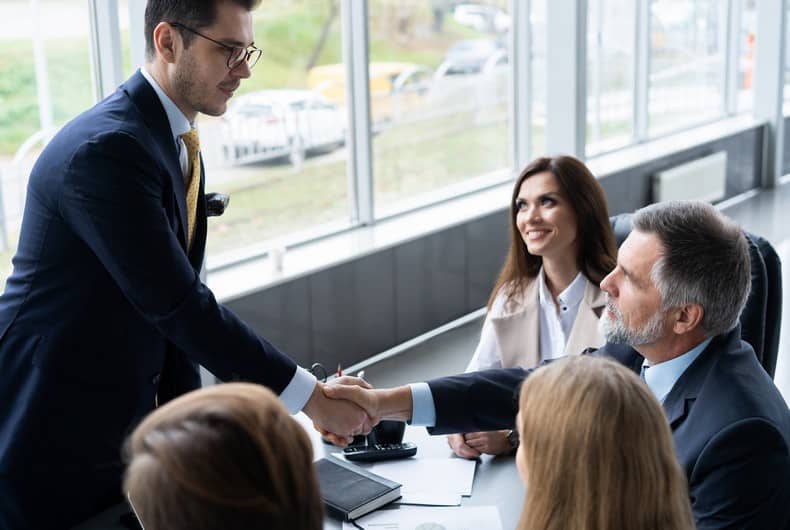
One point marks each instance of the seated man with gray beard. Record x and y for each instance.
(673, 301)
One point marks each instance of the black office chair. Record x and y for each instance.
(762, 315)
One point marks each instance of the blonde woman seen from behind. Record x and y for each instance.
(596, 451)
(225, 457)
(546, 302)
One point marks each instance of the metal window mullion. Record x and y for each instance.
(580, 125)
(641, 70)
(354, 16)
(769, 70)
(566, 68)
(137, 33)
(105, 46)
(732, 55)
(520, 87)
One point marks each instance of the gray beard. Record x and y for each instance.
(615, 330)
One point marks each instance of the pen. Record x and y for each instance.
(339, 370)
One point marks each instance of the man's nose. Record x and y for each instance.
(608, 285)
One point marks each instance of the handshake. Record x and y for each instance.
(349, 406)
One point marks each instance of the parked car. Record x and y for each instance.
(473, 56)
(396, 89)
(485, 18)
(269, 124)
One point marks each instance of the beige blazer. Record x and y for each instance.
(518, 326)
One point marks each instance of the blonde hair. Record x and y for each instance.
(598, 451)
(228, 456)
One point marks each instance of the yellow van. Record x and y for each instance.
(397, 90)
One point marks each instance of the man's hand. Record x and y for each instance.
(458, 445)
(338, 420)
(490, 443)
(380, 404)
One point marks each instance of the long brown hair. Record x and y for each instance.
(228, 456)
(597, 249)
(598, 451)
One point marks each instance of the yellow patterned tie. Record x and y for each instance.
(192, 143)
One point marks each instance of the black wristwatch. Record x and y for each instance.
(512, 438)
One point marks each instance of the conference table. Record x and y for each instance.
(496, 482)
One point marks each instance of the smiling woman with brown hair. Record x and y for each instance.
(546, 302)
(225, 457)
(596, 451)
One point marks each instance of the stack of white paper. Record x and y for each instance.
(429, 481)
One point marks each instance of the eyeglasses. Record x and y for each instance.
(236, 55)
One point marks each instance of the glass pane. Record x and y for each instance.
(537, 67)
(787, 54)
(279, 149)
(611, 27)
(123, 25)
(439, 77)
(746, 40)
(45, 80)
(686, 84)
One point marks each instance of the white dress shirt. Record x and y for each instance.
(661, 377)
(300, 388)
(555, 324)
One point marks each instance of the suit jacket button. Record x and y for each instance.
(155, 379)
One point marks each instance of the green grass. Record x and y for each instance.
(408, 160)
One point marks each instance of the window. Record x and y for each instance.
(45, 80)
(787, 54)
(279, 150)
(439, 74)
(537, 69)
(687, 45)
(611, 26)
(746, 41)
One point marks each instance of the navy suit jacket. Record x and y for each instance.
(730, 425)
(104, 311)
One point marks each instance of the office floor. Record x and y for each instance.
(765, 213)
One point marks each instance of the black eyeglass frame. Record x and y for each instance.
(250, 54)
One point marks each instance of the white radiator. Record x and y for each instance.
(703, 179)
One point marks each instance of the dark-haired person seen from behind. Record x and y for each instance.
(226, 457)
(673, 302)
(104, 315)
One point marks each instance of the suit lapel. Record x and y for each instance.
(143, 96)
(585, 327)
(684, 393)
(197, 252)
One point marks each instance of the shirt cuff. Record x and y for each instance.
(298, 391)
(423, 411)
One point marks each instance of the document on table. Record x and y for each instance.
(429, 481)
(425, 518)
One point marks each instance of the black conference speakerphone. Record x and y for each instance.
(372, 453)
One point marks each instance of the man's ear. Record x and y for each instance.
(687, 318)
(164, 41)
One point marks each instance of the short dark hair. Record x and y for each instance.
(597, 249)
(705, 260)
(192, 13)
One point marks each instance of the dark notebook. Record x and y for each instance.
(349, 491)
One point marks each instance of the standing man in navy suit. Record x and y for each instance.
(673, 301)
(104, 314)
